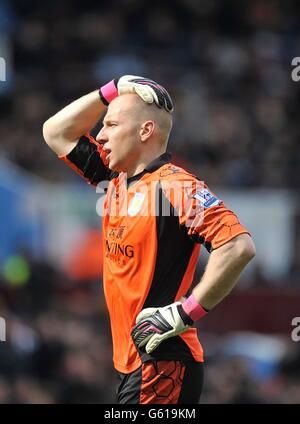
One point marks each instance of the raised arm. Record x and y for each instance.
(63, 130)
(67, 132)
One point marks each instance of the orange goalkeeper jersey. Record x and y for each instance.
(153, 226)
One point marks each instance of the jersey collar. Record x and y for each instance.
(152, 166)
(158, 162)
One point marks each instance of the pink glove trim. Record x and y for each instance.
(109, 91)
(193, 309)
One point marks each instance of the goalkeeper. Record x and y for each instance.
(150, 257)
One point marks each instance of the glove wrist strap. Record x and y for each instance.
(186, 319)
(108, 92)
(193, 309)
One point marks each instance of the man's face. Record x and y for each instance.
(120, 133)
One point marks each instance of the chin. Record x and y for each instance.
(114, 167)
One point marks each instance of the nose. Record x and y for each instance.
(101, 136)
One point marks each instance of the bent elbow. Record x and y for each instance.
(247, 250)
(243, 248)
(48, 132)
(250, 252)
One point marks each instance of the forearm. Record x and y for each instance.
(223, 270)
(63, 130)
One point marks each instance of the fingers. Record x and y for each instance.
(142, 332)
(155, 341)
(146, 93)
(144, 341)
(145, 313)
(130, 84)
(144, 329)
(125, 84)
(149, 91)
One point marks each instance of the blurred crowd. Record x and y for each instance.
(227, 65)
(58, 345)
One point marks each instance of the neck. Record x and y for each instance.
(142, 163)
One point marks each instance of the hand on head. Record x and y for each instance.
(148, 90)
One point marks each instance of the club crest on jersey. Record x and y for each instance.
(206, 198)
(136, 204)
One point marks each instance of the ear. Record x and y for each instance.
(147, 129)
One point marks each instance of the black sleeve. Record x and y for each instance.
(86, 160)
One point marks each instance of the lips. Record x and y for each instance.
(107, 153)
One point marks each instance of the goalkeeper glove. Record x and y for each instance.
(154, 325)
(148, 90)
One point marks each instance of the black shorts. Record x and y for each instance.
(162, 382)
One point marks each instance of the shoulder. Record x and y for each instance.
(173, 173)
(169, 171)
